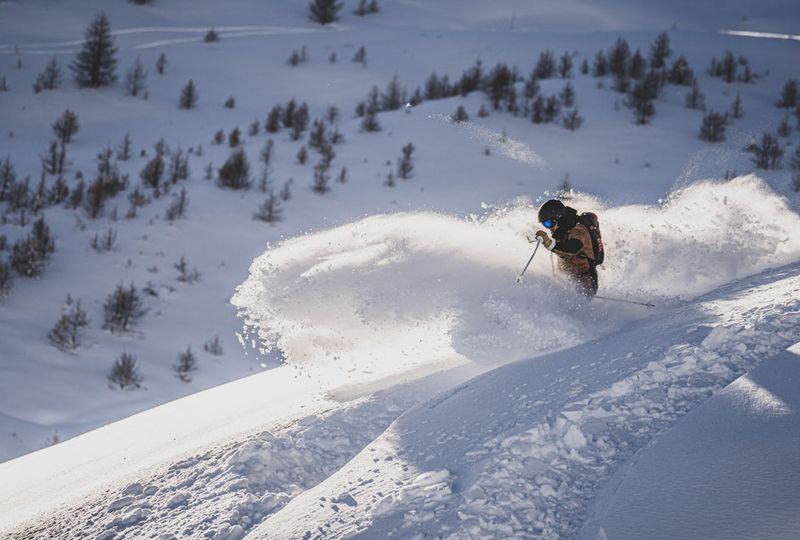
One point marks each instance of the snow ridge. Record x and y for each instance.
(226, 491)
(559, 463)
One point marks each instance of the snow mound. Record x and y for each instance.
(410, 286)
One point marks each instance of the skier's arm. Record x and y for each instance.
(568, 245)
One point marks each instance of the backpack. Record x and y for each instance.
(590, 221)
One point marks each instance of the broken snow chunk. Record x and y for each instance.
(120, 503)
(574, 438)
(346, 498)
(272, 501)
(106, 535)
(131, 519)
(716, 338)
(241, 483)
(179, 499)
(133, 489)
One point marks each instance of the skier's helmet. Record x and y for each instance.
(551, 211)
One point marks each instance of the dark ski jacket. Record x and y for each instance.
(573, 245)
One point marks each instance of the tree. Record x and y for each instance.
(123, 309)
(784, 128)
(618, 57)
(641, 101)
(265, 157)
(66, 126)
(286, 190)
(600, 65)
(136, 78)
(96, 63)
(551, 109)
(299, 122)
(680, 73)
(370, 122)
(729, 67)
(188, 96)
(572, 120)
(794, 165)
(567, 95)
(660, 51)
(211, 36)
(270, 210)
(460, 115)
(713, 127)
(767, 153)
(213, 346)
(736, 107)
(8, 177)
(153, 173)
(365, 8)
(124, 151)
(789, 95)
(302, 155)
(6, 279)
(235, 172)
(405, 165)
(500, 79)
(235, 137)
(321, 177)
(545, 65)
(637, 65)
(273, 123)
(184, 274)
(29, 255)
(106, 242)
(65, 333)
(177, 209)
(187, 363)
(361, 56)
(124, 373)
(161, 64)
(324, 11)
(3, 84)
(695, 99)
(394, 96)
(50, 78)
(565, 66)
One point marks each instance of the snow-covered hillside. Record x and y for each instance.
(343, 397)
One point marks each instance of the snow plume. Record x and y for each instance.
(701, 237)
(407, 287)
(404, 288)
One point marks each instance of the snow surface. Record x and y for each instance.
(385, 304)
(735, 457)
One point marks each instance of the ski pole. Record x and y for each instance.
(646, 304)
(519, 277)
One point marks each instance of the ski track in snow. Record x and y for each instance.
(760, 35)
(542, 464)
(225, 32)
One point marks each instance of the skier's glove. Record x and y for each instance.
(547, 242)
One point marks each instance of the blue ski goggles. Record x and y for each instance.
(549, 223)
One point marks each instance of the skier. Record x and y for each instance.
(572, 240)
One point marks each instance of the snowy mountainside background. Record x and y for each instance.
(366, 288)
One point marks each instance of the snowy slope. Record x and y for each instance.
(47, 394)
(735, 457)
(384, 304)
(520, 451)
